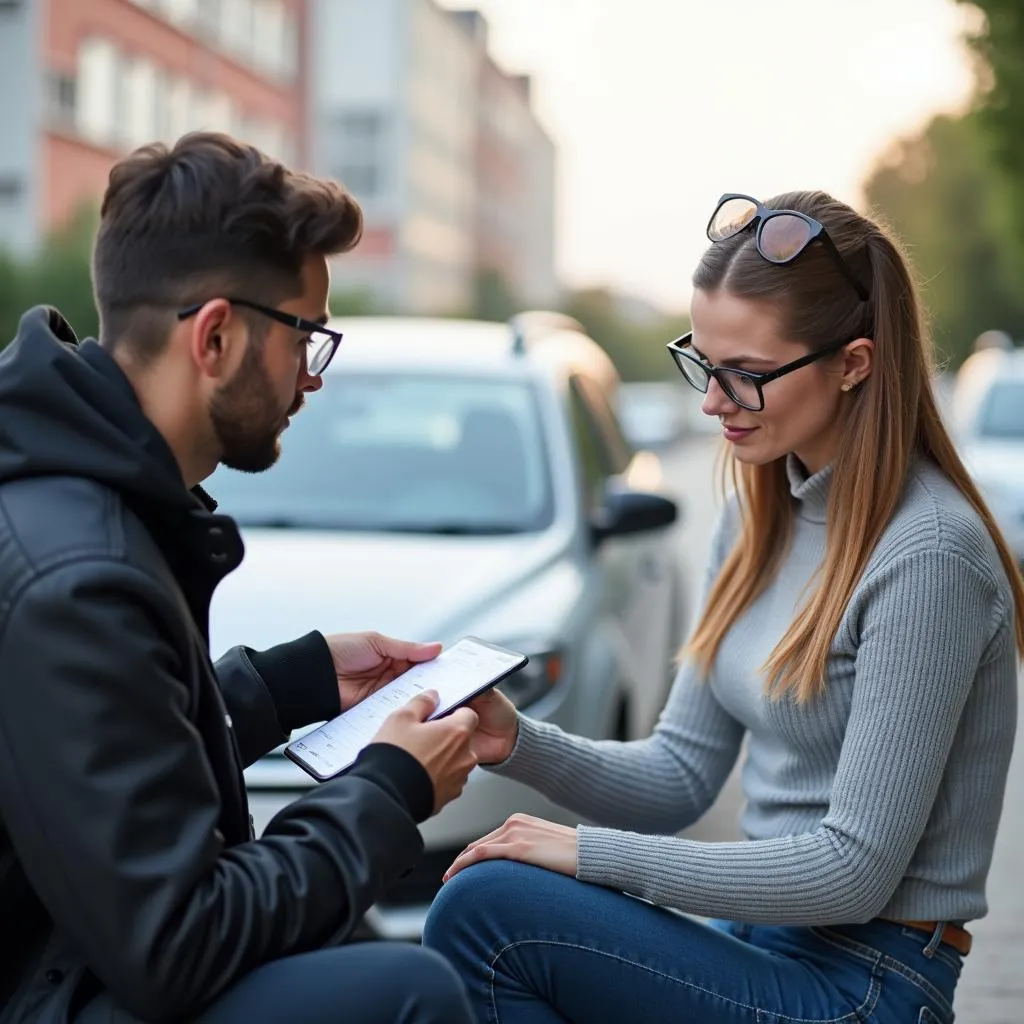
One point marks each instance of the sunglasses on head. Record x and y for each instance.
(781, 234)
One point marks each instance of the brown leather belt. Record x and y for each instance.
(953, 935)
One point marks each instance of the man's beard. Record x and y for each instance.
(245, 418)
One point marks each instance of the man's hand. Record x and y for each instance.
(526, 839)
(364, 662)
(443, 746)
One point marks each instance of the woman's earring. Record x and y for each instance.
(846, 387)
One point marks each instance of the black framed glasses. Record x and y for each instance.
(742, 386)
(321, 342)
(781, 234)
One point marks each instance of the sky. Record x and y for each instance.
(659, 106)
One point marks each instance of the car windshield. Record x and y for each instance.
(405, 453)
(1002, 415)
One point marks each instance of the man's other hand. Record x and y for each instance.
(364, 662)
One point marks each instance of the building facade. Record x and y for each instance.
(96, 78)
(442, 149)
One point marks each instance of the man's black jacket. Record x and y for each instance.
(127, 860)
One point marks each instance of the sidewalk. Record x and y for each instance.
(991, 989)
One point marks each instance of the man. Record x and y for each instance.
(131, 886)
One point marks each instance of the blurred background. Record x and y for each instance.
(527, 153)
(561, 155)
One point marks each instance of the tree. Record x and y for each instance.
(943, 195)
(999, 45)
(58, 275)
(636, 348)
(493, 297)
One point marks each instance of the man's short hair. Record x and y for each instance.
(208, 217)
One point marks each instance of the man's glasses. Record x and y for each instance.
(781, 234)
(742, 386)
(321, 342)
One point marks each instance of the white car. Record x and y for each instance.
(452, 478)
(653, 413)
(988, 420)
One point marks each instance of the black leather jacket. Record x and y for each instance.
(127, 860)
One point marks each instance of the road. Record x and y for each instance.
(991, 990)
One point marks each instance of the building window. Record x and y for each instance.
(97, 89)
(210, 21)
(357, 141)
(236, 28)
(179, 108)
(182, 13)
(61, 100)
(274, 39)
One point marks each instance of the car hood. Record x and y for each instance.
(413, 586)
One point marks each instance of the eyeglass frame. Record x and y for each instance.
(676, 347)
(762, 214)
(288, 319)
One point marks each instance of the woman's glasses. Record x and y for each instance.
(781, 234)
(742, 386)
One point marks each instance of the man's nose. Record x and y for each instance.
(308, 383)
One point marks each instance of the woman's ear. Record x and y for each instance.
(858, 357)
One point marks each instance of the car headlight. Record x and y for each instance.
(535, 680)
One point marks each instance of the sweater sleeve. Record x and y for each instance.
(684, 763)
(929, 627)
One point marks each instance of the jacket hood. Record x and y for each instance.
(67, 409)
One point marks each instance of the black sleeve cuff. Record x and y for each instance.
(398, 772)
(301, 679)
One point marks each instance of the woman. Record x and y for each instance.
(861, 630)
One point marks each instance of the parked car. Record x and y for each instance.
(988, 420)
(653, 413)
(459, 477)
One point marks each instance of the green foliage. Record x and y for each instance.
(493, 298)
(57, 275)
(636, 347)
(353, 302)
(999, 45)
(945, 198)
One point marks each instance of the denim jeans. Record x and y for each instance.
(364, 983)
(535, 947)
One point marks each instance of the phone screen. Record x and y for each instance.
(458, 674)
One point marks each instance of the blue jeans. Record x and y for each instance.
(534, 947)
(364, 983)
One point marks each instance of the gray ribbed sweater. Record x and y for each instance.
(881, 798)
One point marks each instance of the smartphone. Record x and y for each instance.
(458, 674)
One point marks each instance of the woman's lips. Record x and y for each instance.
(735, 434)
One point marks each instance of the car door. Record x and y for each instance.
(635, 574)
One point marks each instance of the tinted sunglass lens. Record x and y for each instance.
(731, 217)
(783, 237)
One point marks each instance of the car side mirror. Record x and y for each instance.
(624, 512)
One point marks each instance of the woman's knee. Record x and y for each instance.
(481, 906)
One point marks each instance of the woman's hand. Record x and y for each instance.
(496, 734)
(526, 839)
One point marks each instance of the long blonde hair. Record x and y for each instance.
(892, 418)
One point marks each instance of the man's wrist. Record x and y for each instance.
(301, 680)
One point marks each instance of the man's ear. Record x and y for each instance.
(216, 330)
